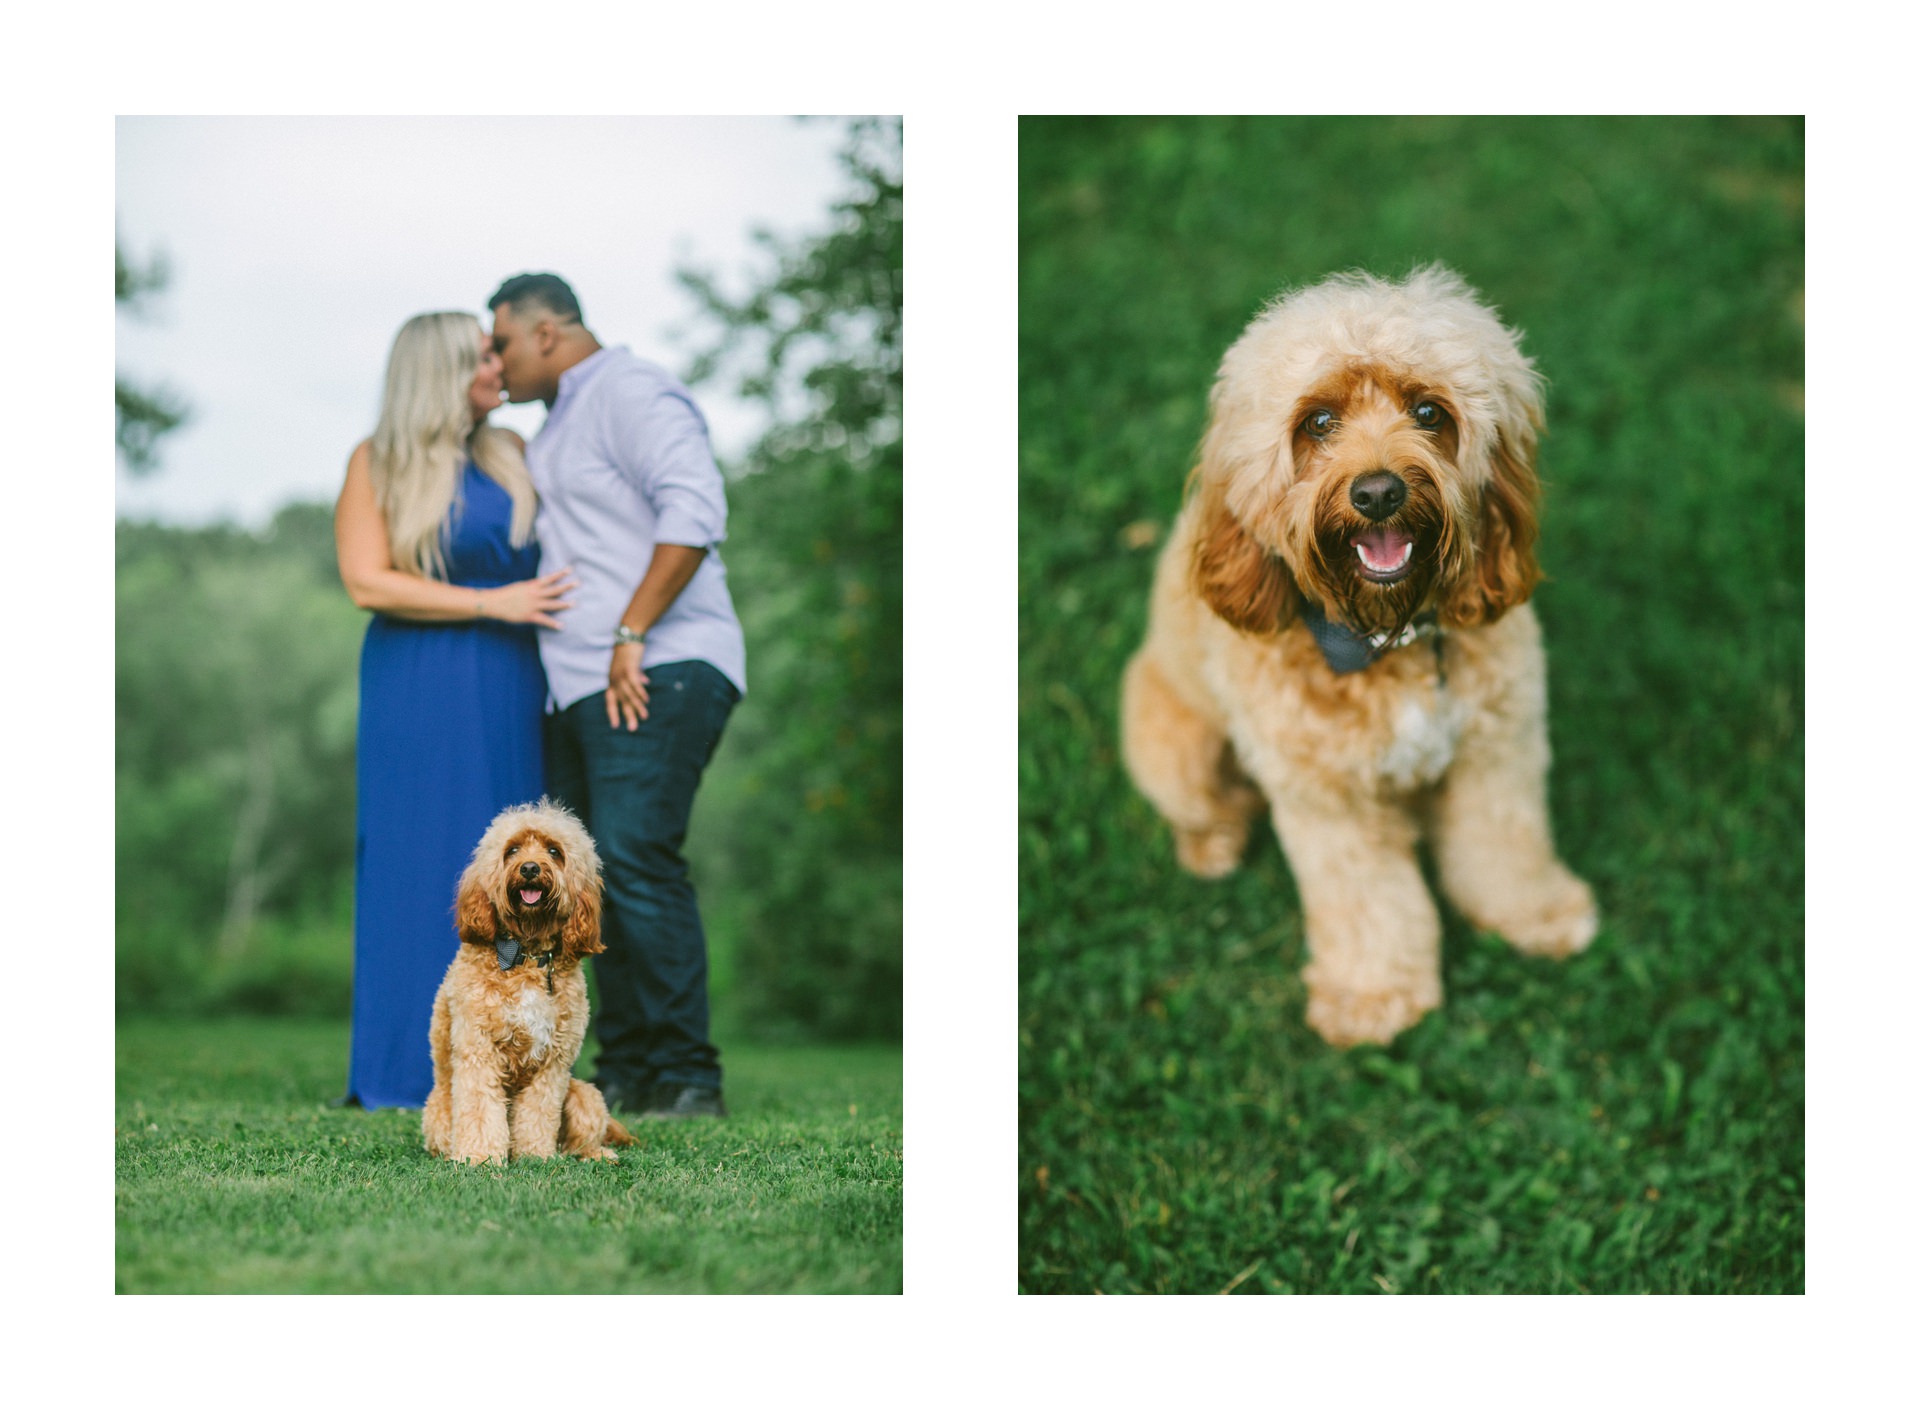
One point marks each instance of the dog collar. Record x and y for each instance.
(507, 950)
(1346, 651)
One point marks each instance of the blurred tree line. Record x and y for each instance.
(812, 882)
(236, 685)
(235, 696)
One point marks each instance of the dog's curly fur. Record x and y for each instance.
(1230, 706)
(504, 1040)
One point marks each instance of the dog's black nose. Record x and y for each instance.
(1379, 495)
(529, 870)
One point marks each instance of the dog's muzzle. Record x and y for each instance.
(1386, 551)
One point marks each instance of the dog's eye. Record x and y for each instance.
(1429, 415)
(554, 852)
(1319, 424)
(515, 848)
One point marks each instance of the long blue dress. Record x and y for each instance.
(449, 735)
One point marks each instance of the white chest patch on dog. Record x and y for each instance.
(533, 1013)
(1426, 731)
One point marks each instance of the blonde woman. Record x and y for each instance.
(434, 530)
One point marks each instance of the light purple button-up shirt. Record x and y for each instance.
(621, 464)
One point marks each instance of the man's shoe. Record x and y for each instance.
(671, 1101)
(620, 1096)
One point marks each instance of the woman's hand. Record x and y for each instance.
(626, 687)
(531, 600)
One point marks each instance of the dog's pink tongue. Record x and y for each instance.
(1383, 549)
(529, 898)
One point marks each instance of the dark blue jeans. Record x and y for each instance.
(634, 790)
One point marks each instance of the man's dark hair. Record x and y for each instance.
(549, 291)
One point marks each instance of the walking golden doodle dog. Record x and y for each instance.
(1339, 632)
(511, 1014)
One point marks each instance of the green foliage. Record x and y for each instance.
(233, 1176)
(1628, 1121)
(804, 820)
(235, 684)
(141, 415)
(131, 282)
(140, 418)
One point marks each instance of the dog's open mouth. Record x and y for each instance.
(529, 896)
(1386, 553)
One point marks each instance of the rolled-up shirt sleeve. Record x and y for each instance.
(623, 464)
(662, 448)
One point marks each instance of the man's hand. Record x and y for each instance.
(669, 570)
(626, 687)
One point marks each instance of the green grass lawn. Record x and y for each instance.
(1631, 1121)
(234, 1176)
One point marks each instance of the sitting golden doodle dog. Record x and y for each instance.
(1339, 631)
(512, 1012)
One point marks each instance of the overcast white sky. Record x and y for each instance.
(298, 246)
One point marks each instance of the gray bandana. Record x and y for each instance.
(509, 952)
(1346, 651)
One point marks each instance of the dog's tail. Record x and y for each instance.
(585, 1121)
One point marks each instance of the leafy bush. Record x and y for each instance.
(235, 699)
(804, 819)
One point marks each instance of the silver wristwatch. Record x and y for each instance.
(624, 635)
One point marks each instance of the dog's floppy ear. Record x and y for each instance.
(473, 913)
(1233, 572)
(580, 936)
(1505, 568)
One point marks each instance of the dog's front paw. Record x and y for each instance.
(469, 1148)
(1210, 852)
(1561, 921)
(1347, 1017)
(436, 1125)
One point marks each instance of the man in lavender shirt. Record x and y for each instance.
(641, 675)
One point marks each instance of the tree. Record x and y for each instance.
(809, 824)
(235, 705)
(140, 416)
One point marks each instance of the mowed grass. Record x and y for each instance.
(1630, 1121)
(234, 1176)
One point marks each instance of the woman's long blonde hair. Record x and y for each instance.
(426, 427)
